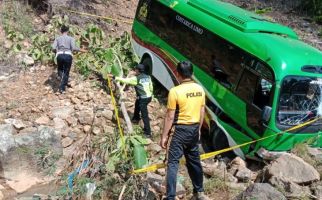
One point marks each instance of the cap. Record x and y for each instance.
(140, 67)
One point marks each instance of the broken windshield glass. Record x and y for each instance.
(300, 100)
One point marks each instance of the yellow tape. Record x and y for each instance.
(205, 156)
(96, 16)
(116, 114)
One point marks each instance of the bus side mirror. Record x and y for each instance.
(266, 114)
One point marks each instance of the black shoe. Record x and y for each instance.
(135, 121)
(148, 136)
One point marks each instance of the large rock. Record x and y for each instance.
(261, 191)
(212, 169)
(59, 124)
(21, 163)
(25, 59)
(17, 123)
(62, 112)
(244, 175)
(43, 120)
(291, 168)
(157, 182)
(86, 117)
(6, 138)
(44, 136)
(315, 153)
(108, 114)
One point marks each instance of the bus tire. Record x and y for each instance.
(220, 142)
(147, 61)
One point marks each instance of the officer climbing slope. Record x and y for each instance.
(144, 90)
(64, 45)
(186, 112)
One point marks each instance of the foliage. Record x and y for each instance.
(16, 21)
(111, 177)
(263, 11)
(41, 49)
(15, 18)
(314, 7)
(124, 151)
(46, 159)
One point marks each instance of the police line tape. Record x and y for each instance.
(205, 156)
(96, 16)
(109, 84)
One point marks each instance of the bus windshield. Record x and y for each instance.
(300, 100)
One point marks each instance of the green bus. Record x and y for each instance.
(260, 79)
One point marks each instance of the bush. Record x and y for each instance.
(15, 17)
(314, 7)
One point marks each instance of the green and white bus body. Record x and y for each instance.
(247, 65)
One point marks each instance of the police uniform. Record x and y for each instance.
(187, 99)
(144, 90)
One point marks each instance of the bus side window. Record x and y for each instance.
(262, 93)
(218, 72)
(246, 88)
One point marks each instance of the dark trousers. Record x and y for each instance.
(184, 142)
(64, 62)
(141, 106)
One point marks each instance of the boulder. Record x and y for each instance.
(85, 117)
(212, 169)
(75, 100)
(291, 168)
(43, 120)
(71, 121)
(25, 59)
(237, 163)
(6, 138)
(108, 114)
(108, 129)
(262, 191)
(62, 112)
(96, 130)
(244, 175)
(157, 182)
(67, 141)
(21, 161)
(154, 148)
(87, 128)
(17, 123)
(295, 191)
(315, 153)
(59, 124)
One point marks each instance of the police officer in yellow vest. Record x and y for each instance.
(185, 110)
(144, 90)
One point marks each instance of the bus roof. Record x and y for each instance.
(271, 42)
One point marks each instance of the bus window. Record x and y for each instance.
(262, 93)
(197, 44)
(246, 88)
(256, 92)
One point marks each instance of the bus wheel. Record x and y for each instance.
(220, 142)
(148, 63)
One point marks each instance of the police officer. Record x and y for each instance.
(144, 90)
(185, 110)
(64, 45)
